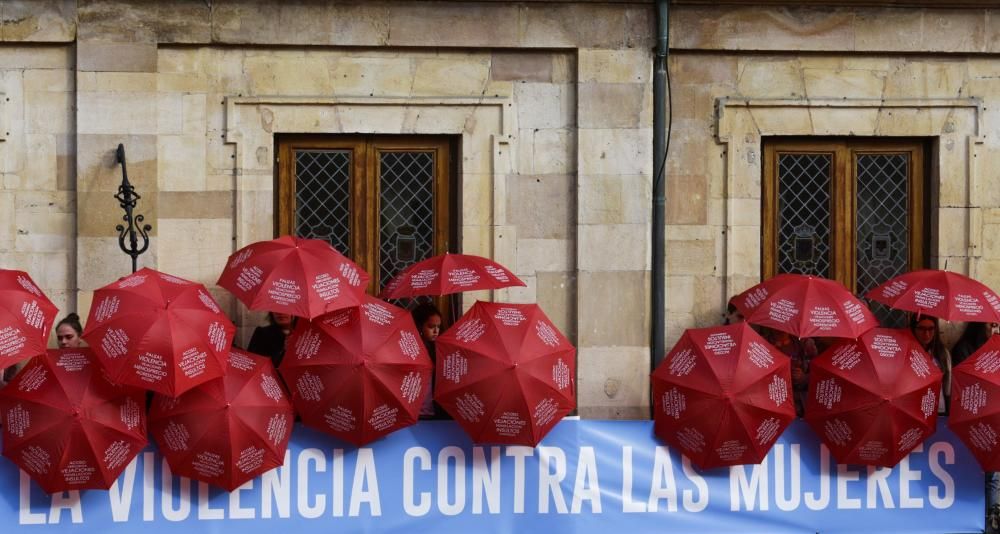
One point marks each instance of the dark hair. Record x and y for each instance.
(974, 336)
(936, 347)
(73, 321)
(423, 312)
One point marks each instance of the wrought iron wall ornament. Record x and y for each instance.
(133, 228)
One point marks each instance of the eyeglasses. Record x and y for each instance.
(925, 328)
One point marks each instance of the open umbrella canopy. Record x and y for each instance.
(159, 332)
(229, 430)
(975, 412)
(26, 317)
(941, 294)
(67, 425)
(300, 277)
(449, 273)
(873, 400)
(359, 373)
(505, 373)
(722, 396)
(805, 306)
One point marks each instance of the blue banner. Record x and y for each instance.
(586, 476)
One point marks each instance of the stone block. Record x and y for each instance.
(66, 163)
(605, 105)
(953, 232)
(564, 68)
(846, 121)
(770, 78)
(691, 257)
(785, 121)
(924, 79)
(552, 151)
(8, 228)
(601, 199)
(613, 382)
(543, 255)
(117, 113)
(40, 163)
(956, 30)
(744, 212)
(518, 294)
(613, 247)
(693, 68)
(37, 56)
(100, 261)
(542, 206)
(375, 76)
(744, 244)
(195, 205)
(100, 56)
(889, 29)
(477, 201)
(613, 308)
(181, 163)
(195, 249)
(763, 28)
(484, 25)
(44, 21)
(687, 199)
(99, 171)
(571, 26)
(615, 151)
(555, 293)
(465, 76)
(521, 66)
(57, 80)
(710, 305)
(680, 294)
(288, 74)
(98, 212)
(615, 66)
(170, 113)
(830, 83)
(117, 82)
(194, 114)
(544, 105)
(48, 112)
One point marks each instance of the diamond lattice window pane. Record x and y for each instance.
(323, 196)
(883, 230)
(804, 213)
(406, 233)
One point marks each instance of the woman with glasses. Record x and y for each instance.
(926, 330)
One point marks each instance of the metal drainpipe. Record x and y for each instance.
(660, 144)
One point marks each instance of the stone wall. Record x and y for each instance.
(552, 105)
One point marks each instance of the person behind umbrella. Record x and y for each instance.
(974, 336)
(801, 352)
(270, 340)
(68, 332)
(926, 330)
(733, 315)
(428, 320)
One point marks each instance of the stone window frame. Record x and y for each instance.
(955, 123)
(485, 157)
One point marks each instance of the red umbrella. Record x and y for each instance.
(722, 395)
(159, 332)
(226, 431)
(873, 400)
(974, 418)
(942, 294)
(67, 426)
(805, 306)
(301, 277)
(505, 373)
(449, 273)
(359, 373)
(26, 316)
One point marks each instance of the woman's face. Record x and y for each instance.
(924, 331)
(67, 337)
(282, 319)
(431, 328)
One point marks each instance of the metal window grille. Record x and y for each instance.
(323, 196)
(804, 213)
(406, 211)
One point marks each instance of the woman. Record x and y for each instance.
(801, 352)
(974, 336)
(68, 332)
(270, 340)
(926, 330)
(428, 320)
